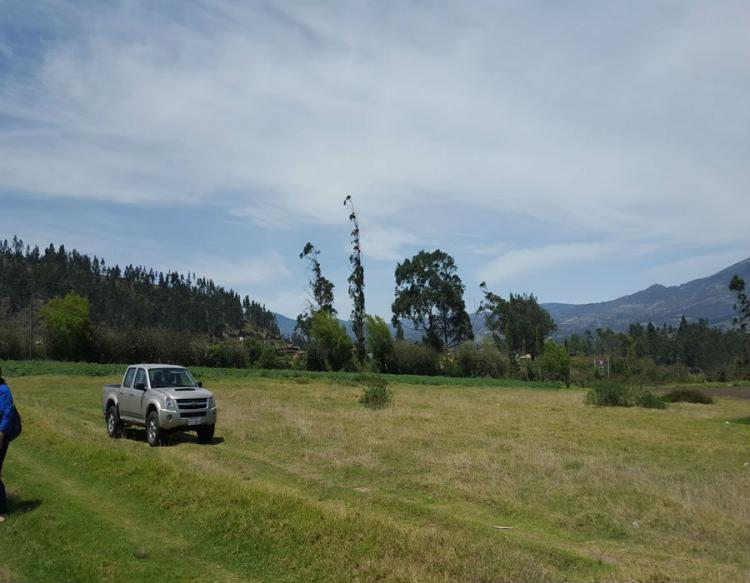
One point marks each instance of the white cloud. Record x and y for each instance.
(255, 273)
(684, 270)
(521, 262)
(632, 128)
(386, 243)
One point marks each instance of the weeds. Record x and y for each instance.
(377, 395)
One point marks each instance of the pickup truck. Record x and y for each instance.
(162, 398)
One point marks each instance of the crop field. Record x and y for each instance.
(495, 483)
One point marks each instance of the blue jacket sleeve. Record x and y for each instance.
(6, 408)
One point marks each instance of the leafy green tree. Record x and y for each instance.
(330, 342)
(379, 342)
(321, 290)
(519, 323)
(357, 284)
(554, 362)
(68, 327)
(430, 293)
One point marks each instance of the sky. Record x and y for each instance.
(578, 151)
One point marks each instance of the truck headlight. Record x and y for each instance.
(211, 403)
(170, 403)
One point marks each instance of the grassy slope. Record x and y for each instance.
(309, 486)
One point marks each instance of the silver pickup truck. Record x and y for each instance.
(162, 398)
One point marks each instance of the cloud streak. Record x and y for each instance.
(624, 124)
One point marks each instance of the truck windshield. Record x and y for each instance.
(170, 377)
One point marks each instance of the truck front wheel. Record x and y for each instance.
(114, 425)
(153, 431)
(206, 433)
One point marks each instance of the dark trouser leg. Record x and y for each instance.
(3, 501)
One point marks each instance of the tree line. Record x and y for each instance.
(133, 296)
(89, 310)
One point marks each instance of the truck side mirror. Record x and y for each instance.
(200, 384)
(140, 386)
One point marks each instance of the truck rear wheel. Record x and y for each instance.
(206, 433)
(114, 425)
(154, 434)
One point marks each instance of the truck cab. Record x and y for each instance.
(162, 398)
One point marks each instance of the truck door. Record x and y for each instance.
(132, 397)
(124, 392)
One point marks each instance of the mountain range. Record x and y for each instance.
(706, 298)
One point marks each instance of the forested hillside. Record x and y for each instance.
(129, 297)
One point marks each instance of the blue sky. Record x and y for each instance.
(578, 150)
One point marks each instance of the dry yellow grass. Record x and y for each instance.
(597, 494)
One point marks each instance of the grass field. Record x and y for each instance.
(304, 484)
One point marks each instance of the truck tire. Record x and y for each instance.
(114, 426)
(154, 433)
(206, 433)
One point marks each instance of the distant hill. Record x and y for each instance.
(707, 298)
(286, 325)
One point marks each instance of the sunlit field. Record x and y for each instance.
(451, 483)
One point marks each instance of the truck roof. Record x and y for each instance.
(155, 365)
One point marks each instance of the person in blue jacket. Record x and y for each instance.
(6, 417)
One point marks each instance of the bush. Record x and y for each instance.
(648, 400)
(608, 394)
(379, 343)
(687, 395)
(329, 343)
(12, 344)
(226, 355)
(377, 395)
(480, 361)
(417, 359)
(554, 363)
(68, 327)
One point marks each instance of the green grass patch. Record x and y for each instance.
(20, 368)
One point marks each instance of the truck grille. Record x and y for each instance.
(189, 404)
(192, 407)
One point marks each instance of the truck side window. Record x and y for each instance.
(128, 382)
(140, 377)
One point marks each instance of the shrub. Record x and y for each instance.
(416, 359)
(648, 400)
(12, 344)
(467, 356)
(329, 343)
(687, 395)
(379, 343)
(554, 363)
(254, 349)
(608, 394)
(377, 395)
(226, 355)
(68, 327)
(484, 360)
(269, 357)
